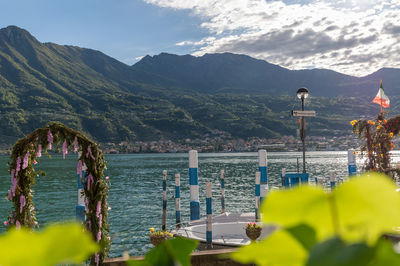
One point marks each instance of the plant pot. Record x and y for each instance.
(157, 239)
(253, 233)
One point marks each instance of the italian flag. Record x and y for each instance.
(381, 98)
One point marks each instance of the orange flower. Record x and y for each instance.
(391, 134)
(384, 121)
(378, 127)
(353, 122)
(371, 122)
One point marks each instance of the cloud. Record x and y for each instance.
(349, 36)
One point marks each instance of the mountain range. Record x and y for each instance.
(170, 96)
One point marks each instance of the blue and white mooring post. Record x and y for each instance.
(194, 186)
(262, 167)
(164, 198)
(333, 180)
(222, 191)
(80, 207)
(257, 194)
(209, 215)
(352, 162)
(178, 200)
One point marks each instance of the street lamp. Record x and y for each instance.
(302, 94)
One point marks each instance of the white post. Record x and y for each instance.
(352, 167)
(80, 207)
(209, 214)
(164, 213)
(222, 191)
(285, 181)
(178, 200)
(333, 180)
(257, 194)
(263, 168)
(194, 186)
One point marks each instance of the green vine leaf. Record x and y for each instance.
(365, 207)
(280, 248)
(335, 252)
(304, 234)
(62, 243)
(175, 251)
(302, 205)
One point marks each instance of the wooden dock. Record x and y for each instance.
(199, 258)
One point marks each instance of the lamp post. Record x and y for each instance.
(302, 94)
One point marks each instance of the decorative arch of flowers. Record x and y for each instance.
(25, 155)
(377, 135)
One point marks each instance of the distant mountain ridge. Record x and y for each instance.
(216, 73)
(167, 96)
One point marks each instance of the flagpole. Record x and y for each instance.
(380, 86)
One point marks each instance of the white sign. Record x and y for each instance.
(303, 113)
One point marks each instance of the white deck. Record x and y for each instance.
(228, 229)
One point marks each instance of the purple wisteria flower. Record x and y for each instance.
(97, 259)
(12, 173)
(98, 209)
(18, 168)
(49, 139)
(89, 180)
(89, 153)
(87, 205)
(64, 148)
(76, 145)
(26, 160)
(79, 168)
(100, 220)
(10, 195)
(22, 202)
(99, 236)
(39, 151)
(14, 185)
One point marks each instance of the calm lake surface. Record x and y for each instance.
(135, 195)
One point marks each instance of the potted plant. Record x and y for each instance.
(156, 237)
(253, 231)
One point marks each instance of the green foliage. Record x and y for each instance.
(175, 251)
(61, 243)
(342, 227)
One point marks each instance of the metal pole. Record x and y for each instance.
(303, 135)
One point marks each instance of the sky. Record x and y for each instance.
(354, 37)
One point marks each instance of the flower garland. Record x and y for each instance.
(25, 154)
(378, 136)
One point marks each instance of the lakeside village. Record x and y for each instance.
(220, 144)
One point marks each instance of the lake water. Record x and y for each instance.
(135, 195)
